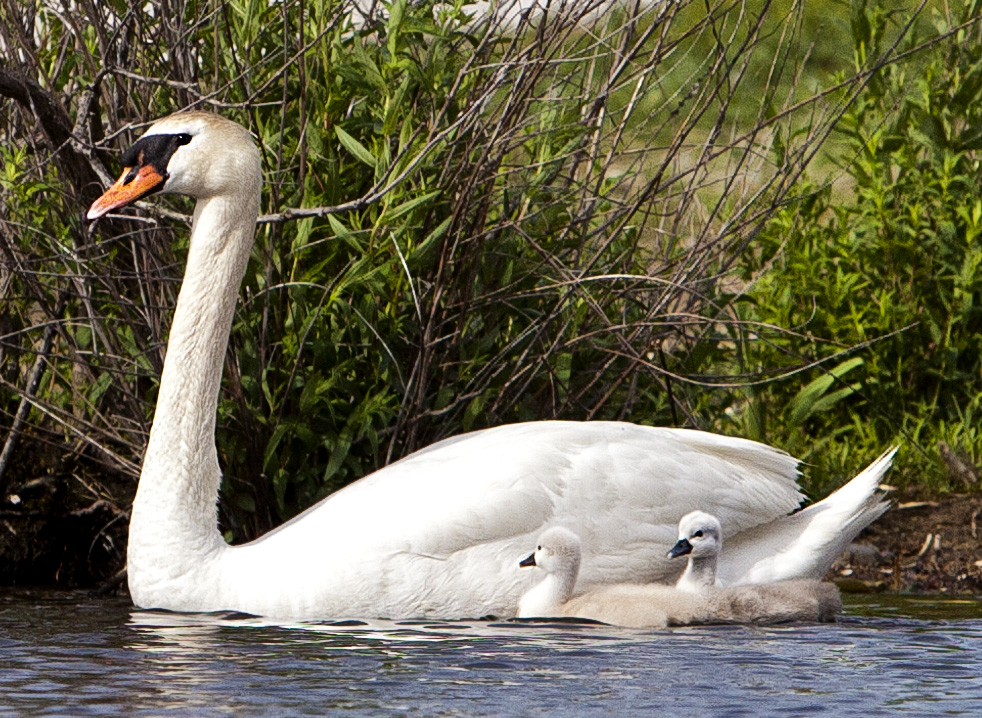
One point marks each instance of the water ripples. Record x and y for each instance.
(70, 655)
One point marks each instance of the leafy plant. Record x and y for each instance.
(887, 258)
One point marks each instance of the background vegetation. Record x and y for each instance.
(885, 255)
(582, 212)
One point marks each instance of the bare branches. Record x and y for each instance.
(52, 118)
(33, 380)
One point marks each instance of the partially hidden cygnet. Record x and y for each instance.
(701, 539)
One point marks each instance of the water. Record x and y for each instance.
(67, 654)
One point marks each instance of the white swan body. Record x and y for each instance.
(434, 534)
(657, 606)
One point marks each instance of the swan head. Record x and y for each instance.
(558, 551)
(700, 534)
(196, 154)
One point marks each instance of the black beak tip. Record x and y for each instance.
(681, 548)
(527, 561)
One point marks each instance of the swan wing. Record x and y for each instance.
(604, 481)
(804, 544)
(446, 526)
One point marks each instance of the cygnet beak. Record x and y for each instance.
(527, 561)
(681, 548)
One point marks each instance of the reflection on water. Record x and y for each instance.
(72, 655)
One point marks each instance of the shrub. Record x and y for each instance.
(886, 260)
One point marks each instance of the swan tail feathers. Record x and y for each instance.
(857, 504)
(833, 523)
(862, 488)
(805, 544)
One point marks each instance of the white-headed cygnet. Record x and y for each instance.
(701, 539)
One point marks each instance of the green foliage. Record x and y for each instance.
(474, 222)
(886, 258)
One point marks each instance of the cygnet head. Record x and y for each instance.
(197, 154)
(558, 551)
(558, 554)
(700, 536)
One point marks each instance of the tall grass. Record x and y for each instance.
(470, 220)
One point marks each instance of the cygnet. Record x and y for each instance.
(701, 539)
(624, 604)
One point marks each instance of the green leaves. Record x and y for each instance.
(894, 261)
(356, 148)
(391, 214)
(815, 397)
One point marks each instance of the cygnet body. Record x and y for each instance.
(793, 601)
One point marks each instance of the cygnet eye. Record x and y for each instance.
(538, 548)
(697, 534)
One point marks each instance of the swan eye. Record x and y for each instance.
(182, 139)
(697, 534)
(538, 548)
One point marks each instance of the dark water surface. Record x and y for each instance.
(67, 654)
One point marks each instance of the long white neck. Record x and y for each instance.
(552, 592)
(699, 575)
(173, 526)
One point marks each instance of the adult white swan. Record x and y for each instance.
(435, 534)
